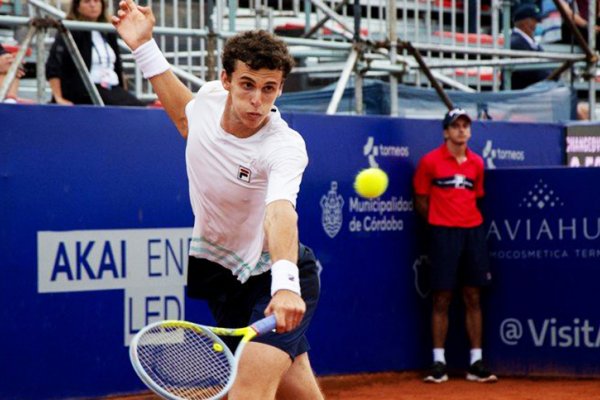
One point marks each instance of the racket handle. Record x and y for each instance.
(265, 325)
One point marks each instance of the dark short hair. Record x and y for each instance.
(258, 49)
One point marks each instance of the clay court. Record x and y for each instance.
(408, 386)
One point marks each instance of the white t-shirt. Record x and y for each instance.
(231, 180)
(102, 69)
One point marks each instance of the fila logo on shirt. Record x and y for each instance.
(244, 174)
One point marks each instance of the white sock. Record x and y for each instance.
(439, 355)
(475, 355)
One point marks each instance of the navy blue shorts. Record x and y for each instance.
(459, 257)
(235, 305)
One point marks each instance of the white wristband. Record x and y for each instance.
(150, 59)
(284, 275)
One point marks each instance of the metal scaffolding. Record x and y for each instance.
(420, 44)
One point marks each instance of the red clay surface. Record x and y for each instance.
(408, 386)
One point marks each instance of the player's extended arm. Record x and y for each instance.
(281, 227)
(174, 96)
(134, 24)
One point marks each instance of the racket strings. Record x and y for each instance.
(185, 362)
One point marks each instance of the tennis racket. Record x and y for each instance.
(181, 360)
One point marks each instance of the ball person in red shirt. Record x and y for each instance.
(448, 182)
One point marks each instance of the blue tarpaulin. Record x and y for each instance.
(542, 102)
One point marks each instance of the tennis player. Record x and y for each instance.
(244, 168)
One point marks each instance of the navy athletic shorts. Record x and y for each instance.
(235, 305)
(459, 257)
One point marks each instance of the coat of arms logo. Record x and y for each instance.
(332, 206)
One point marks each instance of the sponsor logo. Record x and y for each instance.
(586, 161)
(457, 181)
(244, 174)
(542, 225)
(148, 265)
(550, 332)
(583, 144)
(374, 215)
(378, 215)
(490, 154)
(540, 196)
(583, 151)
(460, 181)
(372, 150)
(332, 205)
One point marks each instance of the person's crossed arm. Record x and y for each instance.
(6, 60)
(422, 205)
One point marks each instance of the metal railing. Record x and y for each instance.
(417, 42)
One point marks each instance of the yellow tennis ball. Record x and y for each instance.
(371, 183)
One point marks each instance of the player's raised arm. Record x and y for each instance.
(134, 24)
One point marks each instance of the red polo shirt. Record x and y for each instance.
(452, 188)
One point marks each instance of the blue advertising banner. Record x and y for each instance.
(544, 240)
(82, 263)
(582, 144)
(501, 144)
(365, 246)
(95, 225)
(382, 239)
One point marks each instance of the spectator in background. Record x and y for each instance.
(550, 24)
(526, 18)
(448, 182)
(578, 10)
(101, 55)
(6, 60)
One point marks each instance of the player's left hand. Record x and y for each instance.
(134, 23)
(288, 307)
